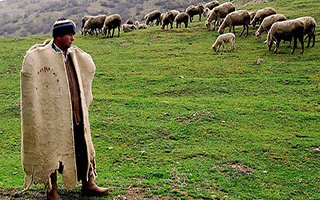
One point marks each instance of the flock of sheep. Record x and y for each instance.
(218, 17)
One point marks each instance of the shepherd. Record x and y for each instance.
(56, 83)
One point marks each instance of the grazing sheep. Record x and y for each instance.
(182, 17)
(261, 14)
(286, 30)
(94, 23)
(222, 39)
(219, 13)
(140, 25)
(236, 18)
(309, 29)
(267, 23)
(168, 19)
(84, 19)
(111, 22)
(195, 10)
(211, 4)
(153, 15)
(128, 27)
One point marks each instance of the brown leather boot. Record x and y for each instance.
(90, 188)
(53, 193)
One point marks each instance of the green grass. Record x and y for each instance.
(184, 121)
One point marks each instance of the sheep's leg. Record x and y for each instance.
(118, 31)
(302, 43)
(277, 46)
(295, 41)
(171, 24)
(313, 39)
(244, 28)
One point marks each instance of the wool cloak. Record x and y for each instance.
(46, 114)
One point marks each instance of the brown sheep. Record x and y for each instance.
(218, 13)
(236, 18)
(286, 30)
(309, 29)
(168, 19)
(182, 17)
(111, 22)
(84, 19)
(128, 27)
(261, 14)
(211, 4)
(267, 23)
(195, 10)
(152, 16)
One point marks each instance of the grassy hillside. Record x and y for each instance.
(173, 119)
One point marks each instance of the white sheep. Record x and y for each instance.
(236, 18)
(140, 25)
(128, 27)
(267, 23)
(222, 39)
(219, 13)
(261, 14)
(286, 30)
(94, 23)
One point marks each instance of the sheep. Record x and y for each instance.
(94, 23)
(153, 15)
(111, 22)
(128, 27)
(261, 14)
(211, 4)
(129, 21)
(309, 29)
(84, 19)
(195, 10)
(218, 13)
(182, 17)
(267, 23)
(168, 19)
(140, 25)
(286, 30)
(236, 18)
(161, 18)
(222, 39)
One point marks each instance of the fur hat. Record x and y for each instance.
(62, 27)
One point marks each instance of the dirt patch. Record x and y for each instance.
(194, 118)
(233, 169)
(126, 43)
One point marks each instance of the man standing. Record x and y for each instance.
(56, 80)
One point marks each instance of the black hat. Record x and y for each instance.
(62, 27)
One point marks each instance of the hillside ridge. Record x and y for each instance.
(31, 17)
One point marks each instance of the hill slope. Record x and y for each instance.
(30, 17)
(172, 119)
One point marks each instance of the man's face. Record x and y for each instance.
(65, 41)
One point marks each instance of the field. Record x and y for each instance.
(172, 119)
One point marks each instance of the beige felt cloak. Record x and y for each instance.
(46, 114)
